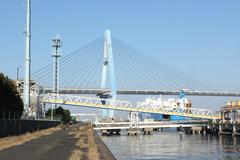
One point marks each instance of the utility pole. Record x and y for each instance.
(18, 72)
(56, 44)
(27, 64)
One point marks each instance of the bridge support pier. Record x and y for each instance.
(133, 131)
(147, 131)
(220, 129)
(229, 129)
(196, 130)
(204, 130)
(109, 132)
(234, 130)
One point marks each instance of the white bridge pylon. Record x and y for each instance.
(127, 106)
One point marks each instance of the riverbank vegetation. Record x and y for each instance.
(10, 101)
(59, 114)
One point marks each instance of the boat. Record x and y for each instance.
(168, 104)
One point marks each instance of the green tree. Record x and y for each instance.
(66, 116)
(60, 113)
(10, 100)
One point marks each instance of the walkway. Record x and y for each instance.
(61, 145)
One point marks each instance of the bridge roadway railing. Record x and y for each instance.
(127, 106)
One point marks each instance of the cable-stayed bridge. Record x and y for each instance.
(107, 67)
(135, 73)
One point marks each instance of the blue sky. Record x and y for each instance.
(200, 38)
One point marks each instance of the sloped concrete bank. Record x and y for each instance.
(103, 149)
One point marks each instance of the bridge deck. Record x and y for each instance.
(142, 92)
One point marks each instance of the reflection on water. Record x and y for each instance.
(172, 145)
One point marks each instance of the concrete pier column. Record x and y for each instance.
(147, 130)
(233, 130)
(188, 130)
(204, 130)
(220, 129)
(208, 126)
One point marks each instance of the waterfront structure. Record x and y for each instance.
(230, 113)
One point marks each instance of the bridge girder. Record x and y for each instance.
(141, 92)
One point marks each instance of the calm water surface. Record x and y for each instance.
(170, 145)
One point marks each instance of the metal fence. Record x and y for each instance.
(55, 117)
(10, 115)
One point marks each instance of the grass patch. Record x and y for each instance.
(76, 155)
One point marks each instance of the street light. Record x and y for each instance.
(18, 72)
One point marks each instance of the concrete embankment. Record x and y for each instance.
(17, 127)
(73, 143)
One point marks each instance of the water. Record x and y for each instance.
(170, 145)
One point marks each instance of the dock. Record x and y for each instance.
(189, 127)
